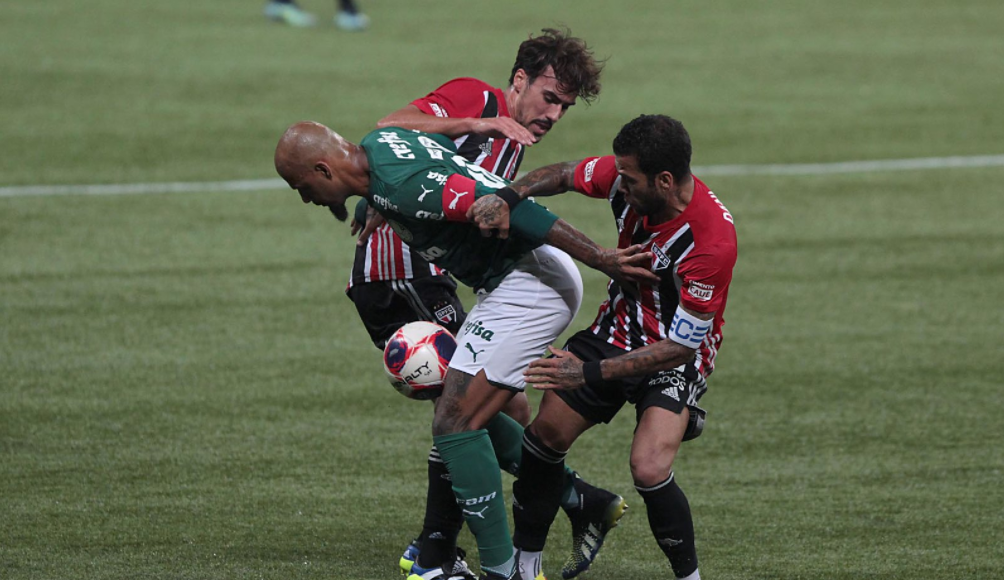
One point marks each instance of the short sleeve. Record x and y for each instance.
(595, 176)
(459, 98)
(705, 276)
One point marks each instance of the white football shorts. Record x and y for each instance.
(513, 324)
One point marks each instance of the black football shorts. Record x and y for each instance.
(386, 306)
(672, 390)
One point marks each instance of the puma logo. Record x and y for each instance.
(425, 192)
(457, 196)
(480, 513)
(475, 353)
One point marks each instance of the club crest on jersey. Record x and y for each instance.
(486, 147)
(447, 314)
(662, 261)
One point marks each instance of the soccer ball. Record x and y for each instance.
(416, 357)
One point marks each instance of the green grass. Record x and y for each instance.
(186, 393)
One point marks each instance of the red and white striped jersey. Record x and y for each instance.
(385, 256)
(471, 98)
(693, 254)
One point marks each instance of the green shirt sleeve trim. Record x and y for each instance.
(531, 221)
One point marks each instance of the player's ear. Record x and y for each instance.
(519, 80)
(664, 181)
(322, 167)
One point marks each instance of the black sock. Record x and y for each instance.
(348, 6)
(536, 493)
(443, 518)
(671, 523)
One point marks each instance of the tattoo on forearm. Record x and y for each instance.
(662, 355)
(574, 243)
(488, 208)
(550, 179)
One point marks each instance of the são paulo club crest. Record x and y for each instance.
(447, 314)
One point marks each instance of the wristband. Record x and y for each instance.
(688, 329)
(592, 374)
(509, 196)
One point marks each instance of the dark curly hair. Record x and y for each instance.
(659, 143)
(574, 66)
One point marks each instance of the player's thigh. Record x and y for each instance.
(598, 403)
(468, 403)
(557, 425)
(518, 408)
(381, 309)
(514, 323)
(656, 443)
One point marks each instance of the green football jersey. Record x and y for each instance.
(422, 187)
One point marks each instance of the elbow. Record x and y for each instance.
(676, 354)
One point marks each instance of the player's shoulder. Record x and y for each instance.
(596, 176)
(710, 207)
(466, 83)
(712, 222)
(394, 137)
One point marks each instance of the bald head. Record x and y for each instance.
(322, 166)
(303, 145)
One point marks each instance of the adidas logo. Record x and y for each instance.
(590, 541)
(671, 392)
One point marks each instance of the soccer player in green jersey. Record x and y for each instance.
(528, 288)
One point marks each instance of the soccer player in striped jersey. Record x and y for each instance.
(650, 345)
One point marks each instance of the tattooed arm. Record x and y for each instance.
(491, 212)
(626, 266)
(547, 180)
(565, 371)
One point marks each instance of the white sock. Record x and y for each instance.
(530, 564)
(695, 576)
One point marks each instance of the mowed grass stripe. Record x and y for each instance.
(717, 170)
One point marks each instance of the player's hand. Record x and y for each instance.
(504, 128)
(491, 213)
(563, 370)
(631, 265)
(373, 221)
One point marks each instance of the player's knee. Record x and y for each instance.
(551, 434)
(445, 425)
(651, 466)
(448, 418)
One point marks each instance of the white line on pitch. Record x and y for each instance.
(854, 166)
(769, 169)
(141, 188)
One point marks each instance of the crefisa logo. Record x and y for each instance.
(477, 329)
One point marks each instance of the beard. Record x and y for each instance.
(339, 211)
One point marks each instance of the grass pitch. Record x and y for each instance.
(186, 392)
